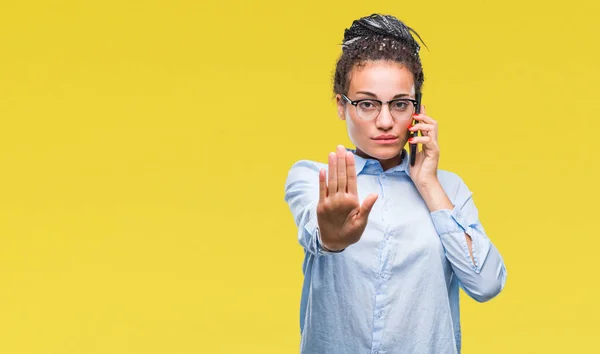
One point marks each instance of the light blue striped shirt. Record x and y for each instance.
(397, 289)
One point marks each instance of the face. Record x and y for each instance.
(384, 81)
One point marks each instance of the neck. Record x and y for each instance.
(386, 164)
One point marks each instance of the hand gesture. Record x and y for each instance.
(341, 218)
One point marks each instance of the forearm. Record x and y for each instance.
(436, 199)
(474, 259)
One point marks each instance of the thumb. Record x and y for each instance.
(367, 204)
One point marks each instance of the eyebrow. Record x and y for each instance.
(400, 95)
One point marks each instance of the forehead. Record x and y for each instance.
(383, 78)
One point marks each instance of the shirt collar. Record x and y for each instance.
(372, 166)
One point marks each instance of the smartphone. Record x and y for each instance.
(413, 147)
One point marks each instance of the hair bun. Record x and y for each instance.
(383, 26)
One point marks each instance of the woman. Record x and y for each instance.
(387, 244)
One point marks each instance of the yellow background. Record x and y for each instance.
(144, 147)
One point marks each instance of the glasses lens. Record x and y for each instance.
(402, 109)
(368, 109)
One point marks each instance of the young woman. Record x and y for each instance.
(387, 244)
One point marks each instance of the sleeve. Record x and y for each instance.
(302, 196)
(484, 278)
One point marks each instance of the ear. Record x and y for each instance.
(340, 107)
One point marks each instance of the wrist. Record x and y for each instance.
(329, 246)
(333, 249)
(428, 183)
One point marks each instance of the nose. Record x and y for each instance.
(384, 120)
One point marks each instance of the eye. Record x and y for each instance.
(400, 105)
(367, 105)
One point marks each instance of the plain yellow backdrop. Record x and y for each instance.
(144, 147)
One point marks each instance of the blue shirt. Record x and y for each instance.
(397, 289)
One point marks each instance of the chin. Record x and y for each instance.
(383, 152)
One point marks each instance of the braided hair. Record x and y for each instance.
(378, 37)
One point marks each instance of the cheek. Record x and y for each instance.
(405, 132)
(356, 130)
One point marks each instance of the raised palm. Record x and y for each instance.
(341, 218)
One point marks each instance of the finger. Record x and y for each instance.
(428, 124)
(420, 140)
(351, 171)
(332, 181)
(367, 205)
(322, 185)
(341, 168)
(423, 127)
(425, 119)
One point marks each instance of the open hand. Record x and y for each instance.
(341, 218)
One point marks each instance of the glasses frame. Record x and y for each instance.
(355, 104)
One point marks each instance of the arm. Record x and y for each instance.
(474, 259)
(325, 205)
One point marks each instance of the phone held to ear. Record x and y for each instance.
(413, 147)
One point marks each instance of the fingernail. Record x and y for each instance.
(410, 140)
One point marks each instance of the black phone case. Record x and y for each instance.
(413, 147)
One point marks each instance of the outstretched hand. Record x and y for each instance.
(341, 218)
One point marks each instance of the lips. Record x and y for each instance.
(385, 137)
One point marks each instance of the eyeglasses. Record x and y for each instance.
(369, 109)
